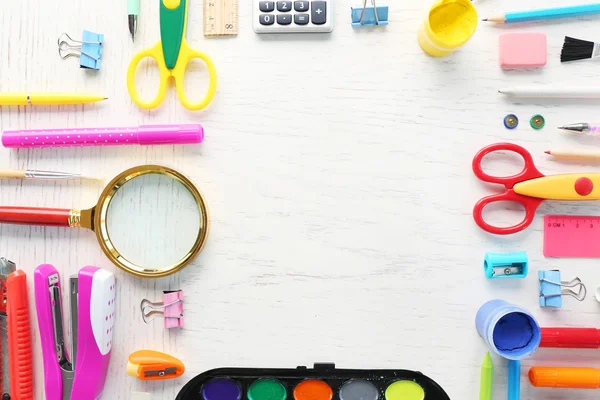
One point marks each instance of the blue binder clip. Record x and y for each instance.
(552, 289)
(369, 16)
(510, 265)
(88, 49)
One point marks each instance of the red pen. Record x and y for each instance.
(571, 338)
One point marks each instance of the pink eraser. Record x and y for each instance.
(522, 50)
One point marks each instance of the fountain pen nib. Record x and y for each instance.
(133, 26)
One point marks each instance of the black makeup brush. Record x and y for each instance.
(577, 49)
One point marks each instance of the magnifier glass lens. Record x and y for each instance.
(153, 220)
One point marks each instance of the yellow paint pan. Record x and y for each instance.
(448, 26)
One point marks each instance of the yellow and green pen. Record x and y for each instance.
(487, 371)
(44, 99)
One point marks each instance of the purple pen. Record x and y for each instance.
(143, 135)
(581, 128)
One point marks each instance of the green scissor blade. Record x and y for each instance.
(172, 23)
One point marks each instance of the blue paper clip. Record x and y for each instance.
(510, 265)
(88, 49)
(369, 16)
(552, 289)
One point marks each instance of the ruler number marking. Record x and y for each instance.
(220, 17)
(582, 223)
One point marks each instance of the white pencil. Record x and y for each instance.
(582, 154)
(553, 92)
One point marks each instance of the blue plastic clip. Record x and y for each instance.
(88, 49)
(552, 289)
(510, 265)
(369, 16)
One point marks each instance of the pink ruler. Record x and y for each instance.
(572, 236)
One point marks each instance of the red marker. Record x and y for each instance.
(571, 338)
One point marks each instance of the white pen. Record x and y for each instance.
(553, 92)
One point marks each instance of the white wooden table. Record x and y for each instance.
(338, 172)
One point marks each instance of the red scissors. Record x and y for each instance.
(530, 188)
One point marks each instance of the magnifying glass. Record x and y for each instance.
(150, 221)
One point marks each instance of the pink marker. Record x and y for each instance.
(142, 135)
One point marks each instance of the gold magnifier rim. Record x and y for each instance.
(101, 229)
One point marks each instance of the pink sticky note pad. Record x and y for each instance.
(523, 50)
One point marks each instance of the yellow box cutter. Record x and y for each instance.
(172, 54)
(530, 188)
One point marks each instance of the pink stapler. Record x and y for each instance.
(81, 375)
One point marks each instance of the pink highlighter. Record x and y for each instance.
(142, 135)
(80, 373)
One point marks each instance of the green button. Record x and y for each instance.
(404, 390)
(537, 121)
(267, 389)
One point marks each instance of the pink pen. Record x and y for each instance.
(142, 135)
(581, 128)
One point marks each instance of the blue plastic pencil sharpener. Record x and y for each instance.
(509, 265)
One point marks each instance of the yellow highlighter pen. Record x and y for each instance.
(25, 99)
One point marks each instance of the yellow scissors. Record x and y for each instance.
(172, 54)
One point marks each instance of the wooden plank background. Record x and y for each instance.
(338, 173)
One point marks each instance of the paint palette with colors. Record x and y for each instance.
(323, 382)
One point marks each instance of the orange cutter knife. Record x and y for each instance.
(16, 365)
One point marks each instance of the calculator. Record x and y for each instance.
(292, 16)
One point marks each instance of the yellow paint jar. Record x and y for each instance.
(449, 25)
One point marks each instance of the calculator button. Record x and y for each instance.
(266, 6)
(267, 19)
(284, 19)
(301, 19)
(319, 12)
(284, 6)
(301, 6)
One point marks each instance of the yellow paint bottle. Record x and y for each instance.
(449, 25)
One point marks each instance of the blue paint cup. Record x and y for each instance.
(509, 331)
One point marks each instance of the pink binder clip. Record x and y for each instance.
(171, 309)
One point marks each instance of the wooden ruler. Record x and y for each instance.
(572, 236)
(220, 17)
